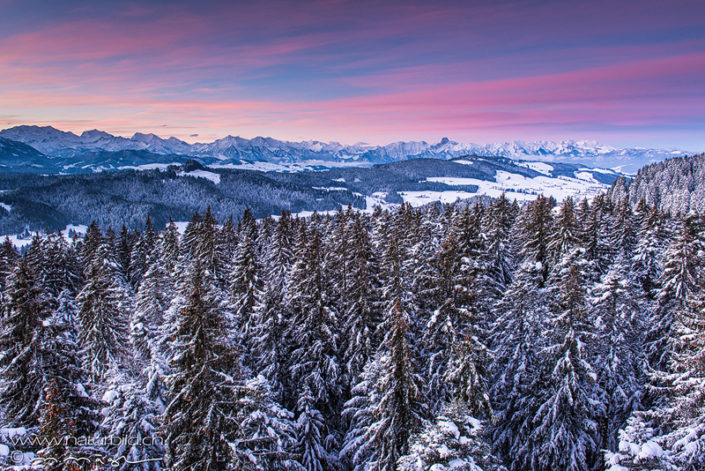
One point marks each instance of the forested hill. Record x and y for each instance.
(676, 185)
(38, 202)
(487, 338)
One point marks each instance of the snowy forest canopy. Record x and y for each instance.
(484, 338)
(39, 202)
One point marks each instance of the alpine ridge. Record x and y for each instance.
(235, 151)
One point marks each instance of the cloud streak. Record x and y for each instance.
(372, 71)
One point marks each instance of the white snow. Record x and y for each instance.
(80, 390)
(339, 180)
(602, 170)
(19, 241)
(148, 166)
(587, 176)
(541, 167)
(420, 198)
(330, 188)
(12, 432)
(110, 395)
(290, 167)
(6, 207)
(650, 449)
(180, 226)
(517, 187)
(79, 229)
(446, 426)
(214, 177)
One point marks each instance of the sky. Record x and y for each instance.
(625, 73)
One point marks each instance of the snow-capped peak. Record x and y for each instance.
(56, 143)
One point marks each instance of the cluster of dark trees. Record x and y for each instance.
(486, 337)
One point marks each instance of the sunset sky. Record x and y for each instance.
(620, 72)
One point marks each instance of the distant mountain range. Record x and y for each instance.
(44, 149)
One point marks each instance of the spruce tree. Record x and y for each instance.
(671, 435)
(518, 339)
(200, 420)
(131, 422)
(682, 264)
(313, 328)
(565, 234)
(362, 318)
(646, 262)
(246, 290)
(401, 410)
(357, 450)
(534, 232)
(69, 415)
(103, 307)
(170, 248)
(314, 366)
(9, 257)
(91, 242)
(140, 255)
(454, 440)
(620, 358)
(151, 303)
(21, 342)
(442, 330)
(268, 345)
(565, 427)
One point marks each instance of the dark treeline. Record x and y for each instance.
(486, 337)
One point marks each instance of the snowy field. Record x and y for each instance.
(515, 186)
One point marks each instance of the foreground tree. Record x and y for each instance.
(453, 441)
(565, 428)
(401, 409)
(103, 306)
(21, 340)
(200, 420)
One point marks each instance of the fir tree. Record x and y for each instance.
(69, 415)
(151, 303)
(682, 263)
(565, 428)
(21, 364)
(453, 441)
(131, 423)
(518, 339)
(200, 420)
(620, 360)
(103, 307)
(401, 410)
(362, 317)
